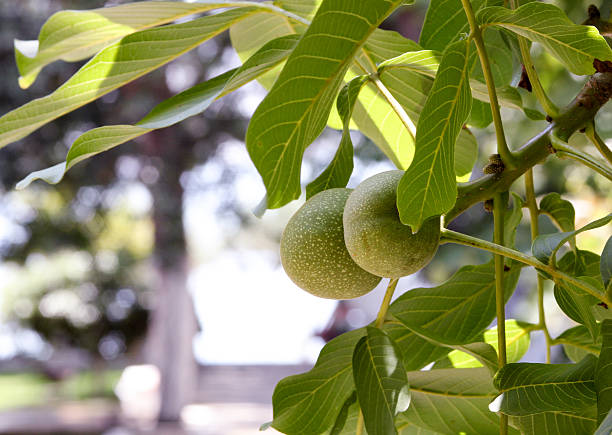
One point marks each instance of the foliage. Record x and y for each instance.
(419, 103)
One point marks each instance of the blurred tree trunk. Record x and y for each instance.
(173, 323)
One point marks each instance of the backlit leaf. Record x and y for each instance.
(517, 343)
(339, 171)
(428, 188)
(75, 35)
(296, 109)
(116, 66)
(171, 111)
(576, 46)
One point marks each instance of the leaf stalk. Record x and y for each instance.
(450, 236)
(601, 146)
(538, 89)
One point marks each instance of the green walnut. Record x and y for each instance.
(313, 252)
(374, 235)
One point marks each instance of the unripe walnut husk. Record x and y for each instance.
(313, 252)
(374, 235)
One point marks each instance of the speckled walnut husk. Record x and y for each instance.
(313, 252)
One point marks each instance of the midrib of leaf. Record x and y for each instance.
(377, 375)
(451, 395)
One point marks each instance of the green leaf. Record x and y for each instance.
(575, 302)
(374, 115)
(452, 401)
(517, 343)
(303, 8)
(578, 305)
(545, 247)
(457, 311)
(76, 35)
(428, 188)
(416, 351)
(557, 423)
(115, 66)
(559, 210)
(380, 379)
(578, 343)
(466, 154)
(605, 428)
(529, 388)
(444, 22)
(576, 46)
(251, 34)
(339, 171)
(171, 111)
(291, 116)
(310, 402)
(605, 266)
(603, 373)
(481, 115)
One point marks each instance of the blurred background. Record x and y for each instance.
(142, 295)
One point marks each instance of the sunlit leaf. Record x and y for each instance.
(603, 373)
(576, 46)
(428, 188)
(76, 35)
(457, 311)
(296, 109)
(338, 172)
(529, 388)
(517, 343)
(380, 380)
(444, 22)
(452, 401)
(116, 66)
(171, 111)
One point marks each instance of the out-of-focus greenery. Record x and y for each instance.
(31, 389)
